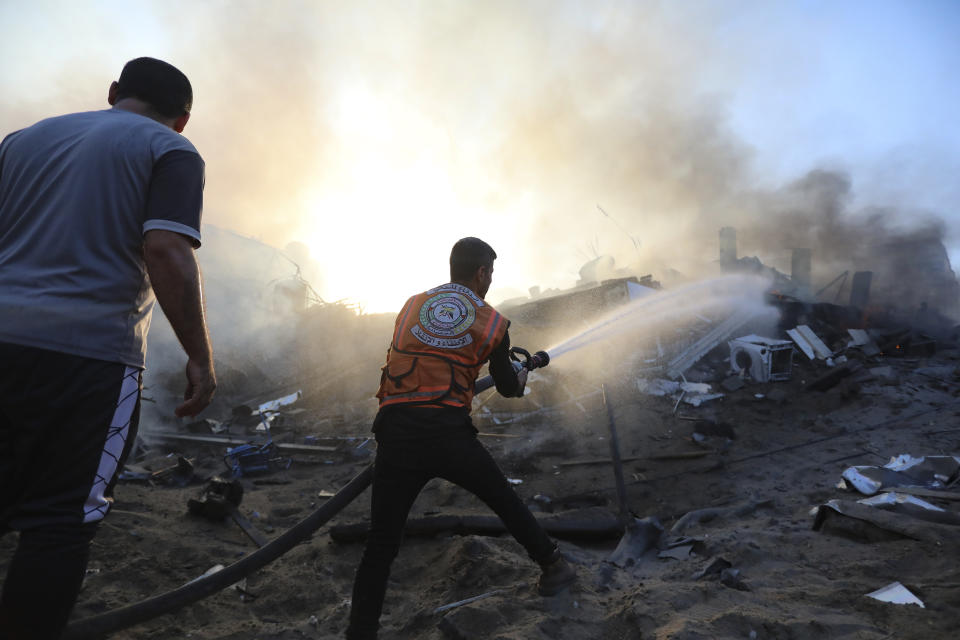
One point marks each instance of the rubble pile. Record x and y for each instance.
(729, 501)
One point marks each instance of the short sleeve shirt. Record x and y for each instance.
(77, 193)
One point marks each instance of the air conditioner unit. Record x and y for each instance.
(765, 359)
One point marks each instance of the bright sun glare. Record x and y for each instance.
(392, 187)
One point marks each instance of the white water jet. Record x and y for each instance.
(674, 307)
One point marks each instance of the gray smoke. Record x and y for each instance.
(559, 105)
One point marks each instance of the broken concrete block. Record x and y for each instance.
(779, 396)
(733, 383)
(860, 339)
(833, 377)
(885, 375)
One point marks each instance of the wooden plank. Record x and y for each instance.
(258, 538)
(680, 455)
(282, 446)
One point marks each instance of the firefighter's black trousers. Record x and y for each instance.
(401, 470)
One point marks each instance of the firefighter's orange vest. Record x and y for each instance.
(441, 339)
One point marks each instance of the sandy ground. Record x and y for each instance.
(785, 457)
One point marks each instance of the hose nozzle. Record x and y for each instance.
(531, 362)
(537, 360)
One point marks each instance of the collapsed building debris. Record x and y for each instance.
(894, 359)
(706, 343)
(928, 472)
(252, 459)
(893, 513)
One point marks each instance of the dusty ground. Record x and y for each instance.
(786, 457)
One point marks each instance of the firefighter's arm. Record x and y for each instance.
(509, 382)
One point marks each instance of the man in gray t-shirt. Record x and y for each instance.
(99, 216)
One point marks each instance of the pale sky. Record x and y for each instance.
(377, 133)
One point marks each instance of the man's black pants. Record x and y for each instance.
(67, 424)
(400, 472)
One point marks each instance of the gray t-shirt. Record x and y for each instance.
(75, 201)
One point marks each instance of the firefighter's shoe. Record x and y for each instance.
(557, 575)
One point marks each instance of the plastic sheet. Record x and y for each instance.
(896, 593)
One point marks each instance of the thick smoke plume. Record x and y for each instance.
(511, 121)
(378, 133)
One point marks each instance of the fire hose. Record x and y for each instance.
(110, 621)
(144, 610)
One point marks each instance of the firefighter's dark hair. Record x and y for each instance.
(468, 255)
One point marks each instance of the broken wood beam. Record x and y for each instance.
(283, 446)
(460, 603)
(680, 455)
(247, 527)
(833, 377)
(586, 524)
(574, 463)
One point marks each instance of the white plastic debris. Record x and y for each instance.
(693, 393)
(903, 462)
(896, 593)
(697, 399)
(863, 484)
(273, 405)
(209, 572)
(894, 498)
(935, 471)
(657, 386)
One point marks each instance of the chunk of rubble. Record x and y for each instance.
(860, 339)
(885, 375)
(692, 393)
(896, 593)
(929, 472)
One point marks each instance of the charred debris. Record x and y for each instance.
(648, 453)
(300, 393)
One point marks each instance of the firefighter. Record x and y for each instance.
(441, 340)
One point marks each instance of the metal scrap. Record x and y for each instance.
(808, 342)
(689, 356)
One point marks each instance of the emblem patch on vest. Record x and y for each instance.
(445, 320)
